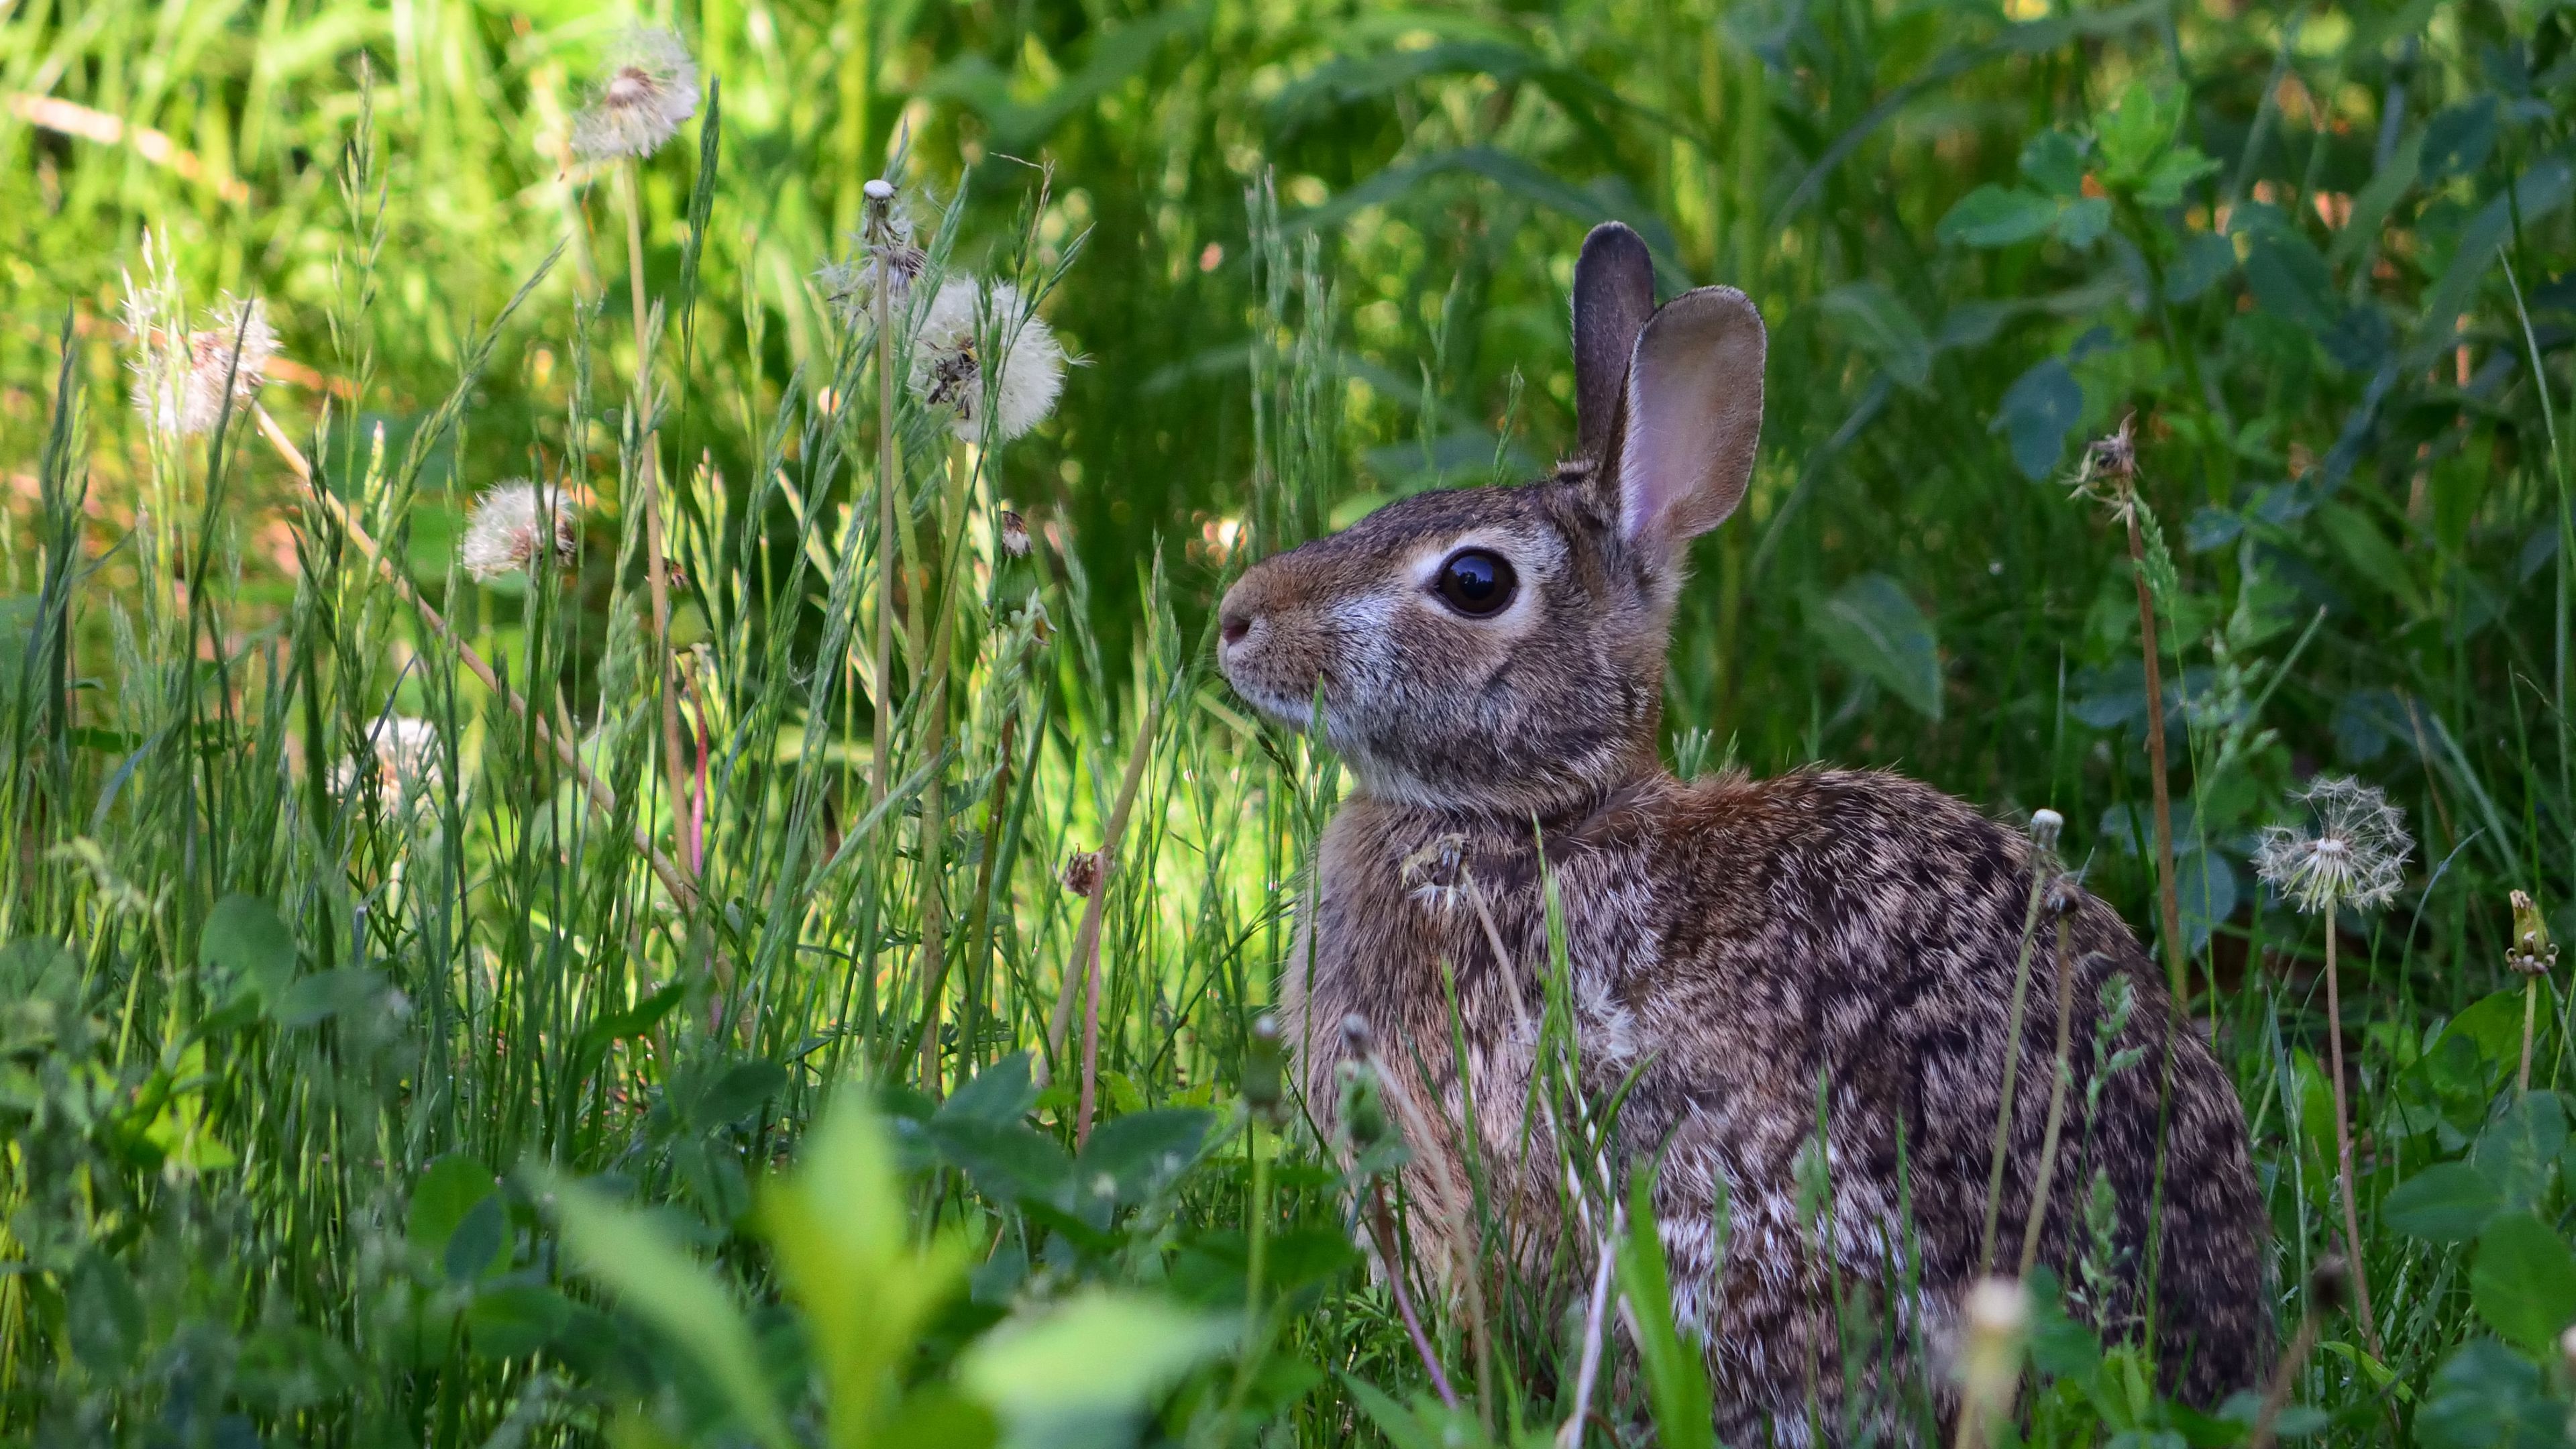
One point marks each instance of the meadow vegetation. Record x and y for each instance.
(758, 935)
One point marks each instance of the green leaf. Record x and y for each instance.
(2136, 129)
(315, 999)
(2519, 1151)
(1131, 1158)
(246, 950)
(516, 1320)
(2172, 171)
(2290, 280)
(2206, 257)
(2447, 1203)
(1876, 631)
(2054, 162)
(999, 1094)
(2487, 1397)
(103, 1314)
(480, 1246)
(1676, 1374)
(1086, 1367)
(731, 1097)
(844, 1246)
(2524, 1281)
(648, 1273)
(1007, 1161)
(1996, 216)
(2039, 409)
(2459, 140)
(2082, 223)
(442, 1197)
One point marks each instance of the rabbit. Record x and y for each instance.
(1747, 958)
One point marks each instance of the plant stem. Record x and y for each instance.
(2039, 874)
(2343, 1143)
(1382, 1223)
(2285, 1375)
(600, 795)
(2530, 1019)
(881, 658)
(1084, 970)
(2039, 1198)
(2168, 905)
(934, 800)
(656, 576)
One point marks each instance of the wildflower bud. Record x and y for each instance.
(1082, 872)
(2063, 895)
(1263, 1073)
(2328, 1284)
(1997, 1314)
(878, 191)
(2044, 825)
(1015, 534)
(2532, 952)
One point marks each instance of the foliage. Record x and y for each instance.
(359, 1094)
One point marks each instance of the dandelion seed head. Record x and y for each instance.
(1015, 534)
(1082, 872)
(652, 86)
(2355, 858)
(514, 526)
(183, 391)
(404, 760)
(949, 373)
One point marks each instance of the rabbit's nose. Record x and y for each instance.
(1234, 623)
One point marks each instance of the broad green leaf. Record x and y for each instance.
(1997, 216)
(731, 1097)
(2205, 257)
(1007, 1161)
(844, 1245)
(1876, 631)
(624, 1250)
(2523, 1281)
(103, 1314)
(2039, 409)
(2205, 888)
(2488, 1397)
(1089, 1365)
(2458, 141)
(2082, 223)
(517, 1320)
(1133, 1157)
(2054, 162)
(2446, 1203)
(1880, 324)
(480, 1246)
(2518, 1153)
(1000, 1094)
(323, 995)
(446, 1191)
(2290, 280)
(1676, 1375)
(245, 948)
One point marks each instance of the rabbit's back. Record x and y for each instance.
(1828, 947)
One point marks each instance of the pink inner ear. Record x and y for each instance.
(1694, 416)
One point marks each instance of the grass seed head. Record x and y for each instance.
(652, 86)
(513, 527)
(2354, 859)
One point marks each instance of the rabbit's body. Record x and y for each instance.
(1829, 948)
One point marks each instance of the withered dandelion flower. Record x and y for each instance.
(184, 392)
(652, 87)
(950, 373)
(513, 527)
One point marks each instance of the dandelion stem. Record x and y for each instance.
(1382, 1225)
(2530, 1019)
(2039, 1198)
(934, 800)
(600, 795)
(2343, 1143)
(1083, 971)
(657, 581)
(881, 660)
(2040, 870)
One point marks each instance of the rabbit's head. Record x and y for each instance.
(1502, 649)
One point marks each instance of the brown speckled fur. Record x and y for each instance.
(1739, 945)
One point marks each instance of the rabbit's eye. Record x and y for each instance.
(1476, 582)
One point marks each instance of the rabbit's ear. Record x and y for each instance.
(1694, 414)
(1614, 294)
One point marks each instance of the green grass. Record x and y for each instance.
(352, 1116)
